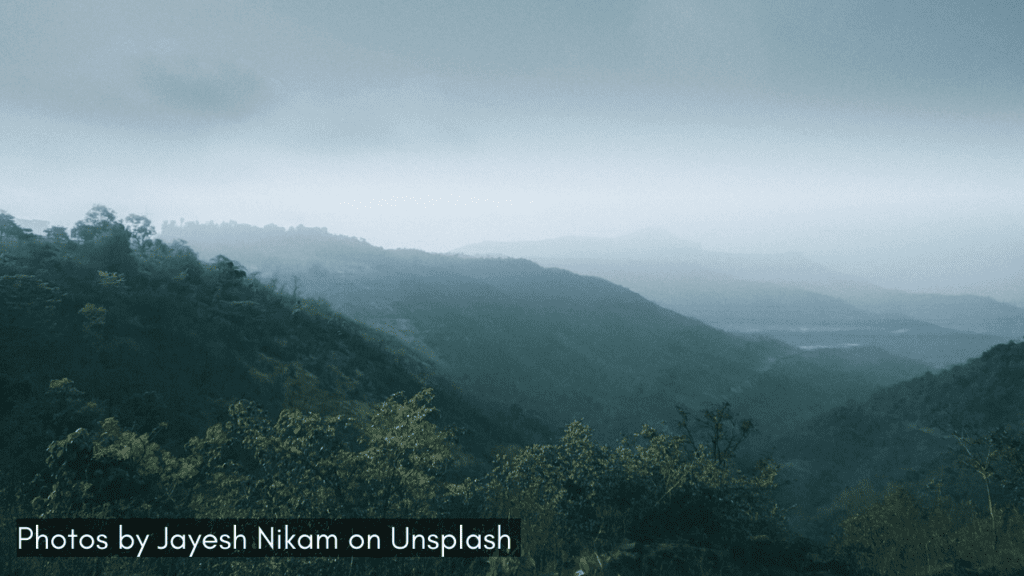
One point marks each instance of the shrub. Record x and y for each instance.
(899, 532)
(576, 496)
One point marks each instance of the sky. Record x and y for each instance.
(885, 139)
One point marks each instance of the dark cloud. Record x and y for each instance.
(203, 89)
(115, 64)
(197, 61)
(753, 123)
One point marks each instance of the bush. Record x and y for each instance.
(899, 532)
(576, 496)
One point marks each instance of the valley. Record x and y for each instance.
(561, 345)
(784, 296)
(560, 398)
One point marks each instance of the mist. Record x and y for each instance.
(885, 141)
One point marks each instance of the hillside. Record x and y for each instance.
(653, 243)
(147, 333)
(963, 312)
(908, 433)
(796, 315)
(562, 345)
(140, 381)
(785, 296)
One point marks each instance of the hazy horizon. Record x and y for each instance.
(884, 140)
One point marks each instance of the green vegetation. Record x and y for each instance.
(138, 381)
(945, 449)
(901, 533)
(579, 500)
(769, 294)
(561, 345)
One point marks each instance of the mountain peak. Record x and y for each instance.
(644, 244)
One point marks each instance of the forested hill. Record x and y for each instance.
(914, 433)
(139, 381)
(981, 394)
(562, 345)
(133, 328)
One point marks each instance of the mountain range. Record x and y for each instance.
(139, 379)
(786, 296)
(561, 345)
(837, 408)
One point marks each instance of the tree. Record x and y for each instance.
(296, 467)
(98, 220)
(719, 428)
(576, 494)
(405, 457)
(999, 459)
(112, 472)
(1009, 473)
(302, 465)
(57, 234)
(9, 229)
(227, 270)
(902, 531)
(29, 319)
(107, 243)
(176, 262)
(981, 459)
(141, 230)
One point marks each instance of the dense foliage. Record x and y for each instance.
(932, 470)
(562, 345)
(898, 532)
(982, 393)
(138, 381)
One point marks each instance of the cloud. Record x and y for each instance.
(116, 64)
(201, 89)
(197, 66)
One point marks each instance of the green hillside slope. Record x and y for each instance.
(138, 381)
(908, 432)
(785, 296)
(563, 345)
(147, 333)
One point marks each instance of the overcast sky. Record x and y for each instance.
(884, 138)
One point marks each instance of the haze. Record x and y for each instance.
(882, 139)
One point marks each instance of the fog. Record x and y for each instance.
(882, 139)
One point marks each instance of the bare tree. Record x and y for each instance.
(718, 427)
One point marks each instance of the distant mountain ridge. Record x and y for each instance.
(136, 377)
(655, 243)
(36, 226)
(559, 344)
(966, 312)
(904, 432)
(786, 296)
